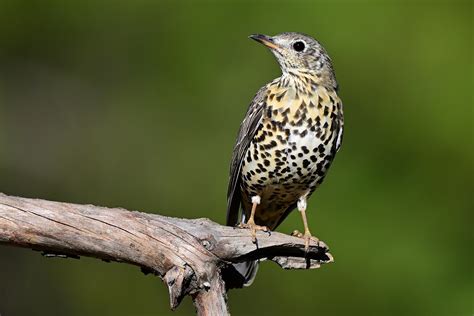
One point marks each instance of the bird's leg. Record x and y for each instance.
(251, 222)
(302, 204)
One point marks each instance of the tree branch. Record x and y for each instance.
(193, 257)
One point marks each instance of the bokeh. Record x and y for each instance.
(137, 104)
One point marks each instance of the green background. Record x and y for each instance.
(137, 104)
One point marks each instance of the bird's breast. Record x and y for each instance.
(294, 144)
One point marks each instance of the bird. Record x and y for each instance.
(288, 139)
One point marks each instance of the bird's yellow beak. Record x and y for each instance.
(265, 40)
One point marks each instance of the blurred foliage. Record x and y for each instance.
(137, 104)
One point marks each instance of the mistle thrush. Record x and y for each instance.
(287, 140)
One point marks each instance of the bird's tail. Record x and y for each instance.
(248, 270)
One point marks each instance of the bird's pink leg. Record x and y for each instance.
(251, 222)
(307, 234)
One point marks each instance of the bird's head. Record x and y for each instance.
(300, 55)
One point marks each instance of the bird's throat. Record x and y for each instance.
(301, 82)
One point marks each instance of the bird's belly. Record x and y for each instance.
(281, 175)
(294, 160)
(295, 164)
(303, 154)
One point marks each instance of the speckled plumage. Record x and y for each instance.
(293, 147)
(289, 136)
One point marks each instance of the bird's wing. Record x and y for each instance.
(247, 131)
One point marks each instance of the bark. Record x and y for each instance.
(192, 256)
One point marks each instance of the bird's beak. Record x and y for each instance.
(265, 40)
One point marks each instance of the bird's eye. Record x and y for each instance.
(298, 46)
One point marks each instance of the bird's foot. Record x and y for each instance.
(253, 229)
(307, 238)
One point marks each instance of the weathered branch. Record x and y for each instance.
(193, 257)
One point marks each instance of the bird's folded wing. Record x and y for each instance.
(247, 131)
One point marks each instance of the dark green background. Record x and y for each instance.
(137, 104)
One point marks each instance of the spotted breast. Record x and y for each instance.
(298, 136)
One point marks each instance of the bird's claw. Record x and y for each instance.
(307, 238)
(253, 229)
